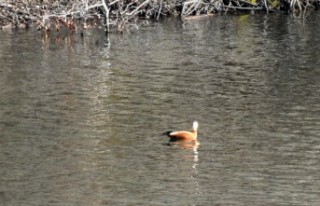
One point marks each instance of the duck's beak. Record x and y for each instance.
(167, 133)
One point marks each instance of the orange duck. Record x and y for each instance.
(185, 136)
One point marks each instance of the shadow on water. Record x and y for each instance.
(81, 120)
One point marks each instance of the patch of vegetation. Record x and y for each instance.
(120, 15)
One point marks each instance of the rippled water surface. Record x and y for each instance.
(81, 121)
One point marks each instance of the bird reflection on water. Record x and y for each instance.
(193, 147)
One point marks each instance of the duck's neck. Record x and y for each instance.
(195, 132)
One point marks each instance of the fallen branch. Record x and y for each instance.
(244, 8)
(107, 15)
(192, 7)
(137, 9)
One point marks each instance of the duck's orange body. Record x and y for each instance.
(184, 135)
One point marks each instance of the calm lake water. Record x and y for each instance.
(81, 120)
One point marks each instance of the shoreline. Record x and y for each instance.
(120, 16)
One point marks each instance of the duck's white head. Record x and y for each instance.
(195, 126)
